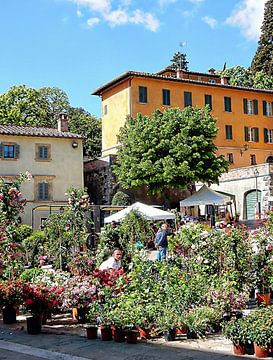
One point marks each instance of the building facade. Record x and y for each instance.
(244, 115)
(54, 157)
(244, 120)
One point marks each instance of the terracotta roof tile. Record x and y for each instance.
(17, 130)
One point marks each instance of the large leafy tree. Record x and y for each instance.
(239, 76)
(168, 150)
(21, 105)
(263, 59)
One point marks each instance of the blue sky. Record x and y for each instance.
(78, 45)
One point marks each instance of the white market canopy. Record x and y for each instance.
(148, 211)
(206, 196)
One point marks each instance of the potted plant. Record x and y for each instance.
(11, 292)
(235, 331)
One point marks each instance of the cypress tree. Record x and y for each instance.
(263, 59)
(179, 61)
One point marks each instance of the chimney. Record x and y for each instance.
(180, 73)
(212, 71)
(62, 122)
(224, 79)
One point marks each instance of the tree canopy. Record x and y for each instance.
(179, 61)
(168, 150)
(263, 59)
(239, 76)
(25, 106)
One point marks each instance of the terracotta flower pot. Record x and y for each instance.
(260, 352)
(118, 334)
(106, 333)
(144, 333)
(264, 298)
(239, 349)
(131, 337)
(181, 331)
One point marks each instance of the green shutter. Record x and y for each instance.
(256, 132)
(265, 135)
(255, 107)
(16, 151)
(245, 106)
(264, 108)
(246, 134)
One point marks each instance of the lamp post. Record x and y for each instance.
(256, 174)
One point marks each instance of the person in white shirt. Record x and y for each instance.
(114, 261)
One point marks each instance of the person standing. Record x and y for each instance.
(161, 242)
(114, 261)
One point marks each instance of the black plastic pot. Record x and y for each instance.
(169, 335)
(191, 334)
(9, 315)
(34, 325)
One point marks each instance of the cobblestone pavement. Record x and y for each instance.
(68, 342)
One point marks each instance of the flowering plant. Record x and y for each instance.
(11, 292)
(38, 298)
(79, 292)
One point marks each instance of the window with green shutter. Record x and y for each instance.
(208, 100)
(227, 103)
(228, 132)
(187, 98)
(43, 191)
(166, 97)
(142, 94)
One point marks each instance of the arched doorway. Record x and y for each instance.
(269, 160)
(250, 204)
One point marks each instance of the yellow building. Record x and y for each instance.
(245, 115)
(54, 157)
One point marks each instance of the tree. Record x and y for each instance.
(179, 61)
(169, 150)
(25, 106)
(83, 123)
(263, 59)
(120, 198)
(239, 76)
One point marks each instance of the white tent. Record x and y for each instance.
(149, 212)
(206, 196)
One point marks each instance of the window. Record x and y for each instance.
(250, 107)
(227, 102)
(105, 110)
(230, 158)
(268, 136)
(267, 108)
(253, 159)
(9, 151)
(43, 191)
(251, 134)
(43, 152)
(142, 93)
(166, 97)
(187, 98)
(212, 81)
(229, 132)
(208, 101)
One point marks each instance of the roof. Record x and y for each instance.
(130, 73)
(206, 196)
(148, 211)
(16, 130)
(171, 69)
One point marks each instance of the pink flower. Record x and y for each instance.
(269, 247)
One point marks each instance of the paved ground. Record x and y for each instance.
(64, 340)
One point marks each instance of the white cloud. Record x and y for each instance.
(210, 21)
(121, 15)
(248, 16)
(92, 21)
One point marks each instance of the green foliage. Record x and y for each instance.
(29, 275)
(262, 60)
(21, 232)
(179, 61)
(169, 150)
(236, 331)
(239, 76)
(25, 106)
(120, 198)
(35, 246)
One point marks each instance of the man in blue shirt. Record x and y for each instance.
(161, 242)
